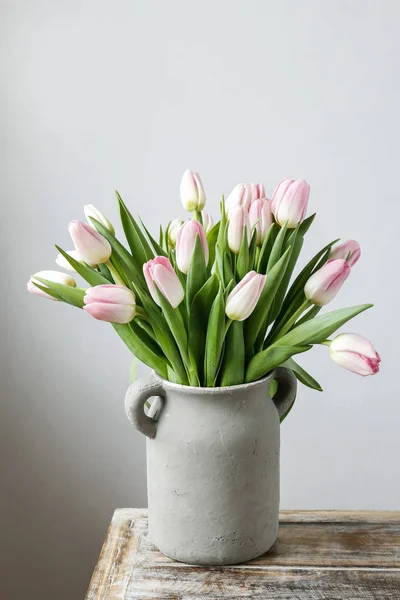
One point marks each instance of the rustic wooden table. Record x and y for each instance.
(318, 556)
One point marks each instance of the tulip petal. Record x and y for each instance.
(355, 363)
(112, 313)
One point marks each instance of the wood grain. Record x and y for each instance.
(319, 555)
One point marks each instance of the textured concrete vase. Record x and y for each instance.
(212, 466)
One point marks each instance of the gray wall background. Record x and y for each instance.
(127, 94)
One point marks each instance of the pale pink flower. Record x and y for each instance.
(355, 353)
(160, 272)
(111, 303)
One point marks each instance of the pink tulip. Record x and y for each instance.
(244, 297)
(92, 211)
(241, 195)
(62, 262)
(55, 276)
(92, 247)
(258, 191)
(260, 218)
(289, 202)
(160, 272)
(239, 225)
(111, 303)
(355, 353)
(185, 242)
(323, 286)
(173, 229)
(208, 222)
(192, 191)
(350, 249)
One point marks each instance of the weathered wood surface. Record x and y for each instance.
(319, 555)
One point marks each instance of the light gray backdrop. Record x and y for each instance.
(101, 95)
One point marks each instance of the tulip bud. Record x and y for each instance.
(62, 262)
(244, 297)
(173, 228)
(355, 353)
(258, 191)
(241, 195)
(92, 211)
(111, 303)
(192, 191)
(260, 218)
(349, 251)
(160, 272)
(323, 286)
(238, 225)
(55, 276)
(208, 222)
(289, 202)
(92, 247)
(185, 242)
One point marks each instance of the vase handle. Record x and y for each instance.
(136, 396)
(287, 389)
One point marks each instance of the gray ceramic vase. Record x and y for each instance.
(212, 466)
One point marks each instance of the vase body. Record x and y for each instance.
(212, 468)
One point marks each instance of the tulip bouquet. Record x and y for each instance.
(213, 305)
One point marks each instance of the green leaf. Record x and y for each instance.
(141, 350)
(90, 275)
(302, 375)
(222, 232)
(177, 328)
(163, 334)
(252, 252)
(214, 339)
(232, 368)
(147, 339)
(276, 251)
(306, 224)
(266, 248)
(263, 362)
(319, 329)
(228, 271)
(197, 274)
(295, 296)
(257, 319)
(212, 237)
(106, 273)
(273, 388)
(138, 244)
(283, 417)
(47, 290)
(310, 314)
(130, 267)
(156, 246)
(242, 264)
(229, 288)
(71, 295)
(198, 320)
(296, 244)
(305, 274)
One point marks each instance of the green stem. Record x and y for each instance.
(140, 312)
(292, 320)
(197, 216)
(118, 280)
(326, 343)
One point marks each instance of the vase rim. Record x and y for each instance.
(214, 390)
